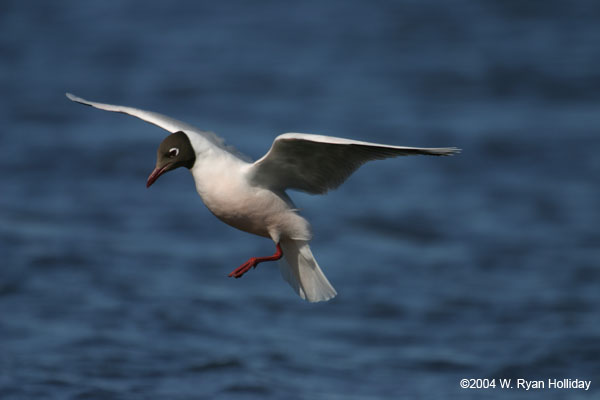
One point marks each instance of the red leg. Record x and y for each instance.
(253, 262)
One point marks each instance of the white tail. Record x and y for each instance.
(300, 269)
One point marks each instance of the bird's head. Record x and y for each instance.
(174, 152)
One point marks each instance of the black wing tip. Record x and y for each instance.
(443, 151)
(450, 151)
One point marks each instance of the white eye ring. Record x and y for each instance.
(173, 152)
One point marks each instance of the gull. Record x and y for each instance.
(252, 197)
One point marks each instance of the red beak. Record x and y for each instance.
(155, 174)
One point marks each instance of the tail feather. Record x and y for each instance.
(300, 269)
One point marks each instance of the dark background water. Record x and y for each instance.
(484, 265)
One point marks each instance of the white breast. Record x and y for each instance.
(221, 183)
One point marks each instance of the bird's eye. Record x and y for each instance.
(173, 152)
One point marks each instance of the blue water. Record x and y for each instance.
(483, 265)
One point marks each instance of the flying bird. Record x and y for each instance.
(251, 196)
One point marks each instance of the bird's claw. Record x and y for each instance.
(242, 269)
(253, 262)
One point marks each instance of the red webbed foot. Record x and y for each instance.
(253, 262)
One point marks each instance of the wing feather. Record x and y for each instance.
(162, 121)
(316, 164)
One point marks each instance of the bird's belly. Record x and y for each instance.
(252, 223)
(227, 194)
(256, 212)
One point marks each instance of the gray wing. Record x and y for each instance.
(316, 164)
(170, 124)
(162, 121)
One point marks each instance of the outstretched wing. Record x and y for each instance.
(162, 121)
(316, 164)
